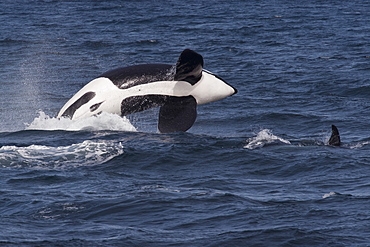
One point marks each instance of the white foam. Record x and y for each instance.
(330, 194)
(359, 145)
(264, 137)
(85, 153)
(104, 121)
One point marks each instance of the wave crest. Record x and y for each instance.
(47, 157)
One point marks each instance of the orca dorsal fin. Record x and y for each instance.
(189, 67)
(335, 137)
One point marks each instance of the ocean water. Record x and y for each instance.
(254, 170)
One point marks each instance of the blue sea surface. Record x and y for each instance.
(254, 170)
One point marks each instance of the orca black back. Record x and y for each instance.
(127, 77)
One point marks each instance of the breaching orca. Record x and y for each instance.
(335, 137)
(177, 90)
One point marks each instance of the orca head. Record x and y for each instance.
(211, 88)
(207, 87)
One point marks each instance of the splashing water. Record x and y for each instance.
(85, 153)
(264, 137)
(104, 121)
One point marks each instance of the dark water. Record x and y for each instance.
(254, 170)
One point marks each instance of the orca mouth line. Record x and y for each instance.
(96, 106)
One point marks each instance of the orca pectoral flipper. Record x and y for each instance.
(335, 137)
(189, 67)
(177, 114)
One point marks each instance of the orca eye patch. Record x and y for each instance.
(94, 107)
(77, 104)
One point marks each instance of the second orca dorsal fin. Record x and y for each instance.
(177, 114)
(189, 67)
(335, 137)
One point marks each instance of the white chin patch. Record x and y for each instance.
(211, 88)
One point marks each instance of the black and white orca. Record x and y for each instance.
(177, 90)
